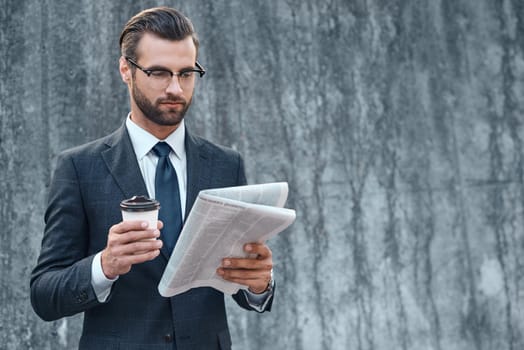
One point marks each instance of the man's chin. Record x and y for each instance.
(169, 115)
(170, 119)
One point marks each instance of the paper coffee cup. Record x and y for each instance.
(140, 208)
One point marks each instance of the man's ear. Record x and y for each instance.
(125, 72)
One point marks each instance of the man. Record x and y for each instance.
(94, 263)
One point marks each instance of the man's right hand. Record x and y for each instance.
(129, 243)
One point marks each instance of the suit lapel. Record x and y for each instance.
(121, 161)
(198, 169)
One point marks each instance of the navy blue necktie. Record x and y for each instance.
(167, 193)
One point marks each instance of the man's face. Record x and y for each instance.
(167, 111)
(164, 105)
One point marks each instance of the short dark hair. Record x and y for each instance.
(165, 22)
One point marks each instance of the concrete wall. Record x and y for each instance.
(398, 125)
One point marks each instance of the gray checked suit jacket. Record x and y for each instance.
(88, 184)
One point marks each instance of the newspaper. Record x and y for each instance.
(219, 224)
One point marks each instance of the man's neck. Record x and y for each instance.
(161, 132)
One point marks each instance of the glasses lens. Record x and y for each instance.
(161, 79)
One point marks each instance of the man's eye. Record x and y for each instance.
(160, 74)
(186, 74)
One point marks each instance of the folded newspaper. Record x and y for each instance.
(219, 224)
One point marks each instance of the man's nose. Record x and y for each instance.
(174, 86)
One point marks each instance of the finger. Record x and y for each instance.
(255, 286)
(159, 225)
(136, 248)
(131, 225)
(142, 257)
(247, 263)
(124, 263)
(248, 275)
(261, 250)
(132, 236)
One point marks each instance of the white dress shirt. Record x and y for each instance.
(143, 143)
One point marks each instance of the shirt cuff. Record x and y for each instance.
(259, 301)
(101, 284)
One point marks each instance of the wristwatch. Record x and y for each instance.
(270, 284)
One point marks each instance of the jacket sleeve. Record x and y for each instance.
(61, 281)
(240, 297)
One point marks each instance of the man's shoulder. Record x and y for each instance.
(92, 148)
(213, 148)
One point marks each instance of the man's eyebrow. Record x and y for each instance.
(157, 67)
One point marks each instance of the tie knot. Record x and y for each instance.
(162, 149)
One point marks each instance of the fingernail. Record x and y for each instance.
(220, 272)
(248, 248)
(144, 224)
(227, 262)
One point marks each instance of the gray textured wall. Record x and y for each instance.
(398, 125)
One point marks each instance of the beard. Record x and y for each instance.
(153, 111)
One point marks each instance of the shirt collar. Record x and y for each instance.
(143, 141)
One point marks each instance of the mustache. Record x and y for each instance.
(171, 99)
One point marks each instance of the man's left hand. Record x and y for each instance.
(254, 271)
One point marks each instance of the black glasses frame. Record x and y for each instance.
(199, 69)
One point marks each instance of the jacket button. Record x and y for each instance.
(168, 338)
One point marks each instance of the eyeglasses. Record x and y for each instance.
(160, 78)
